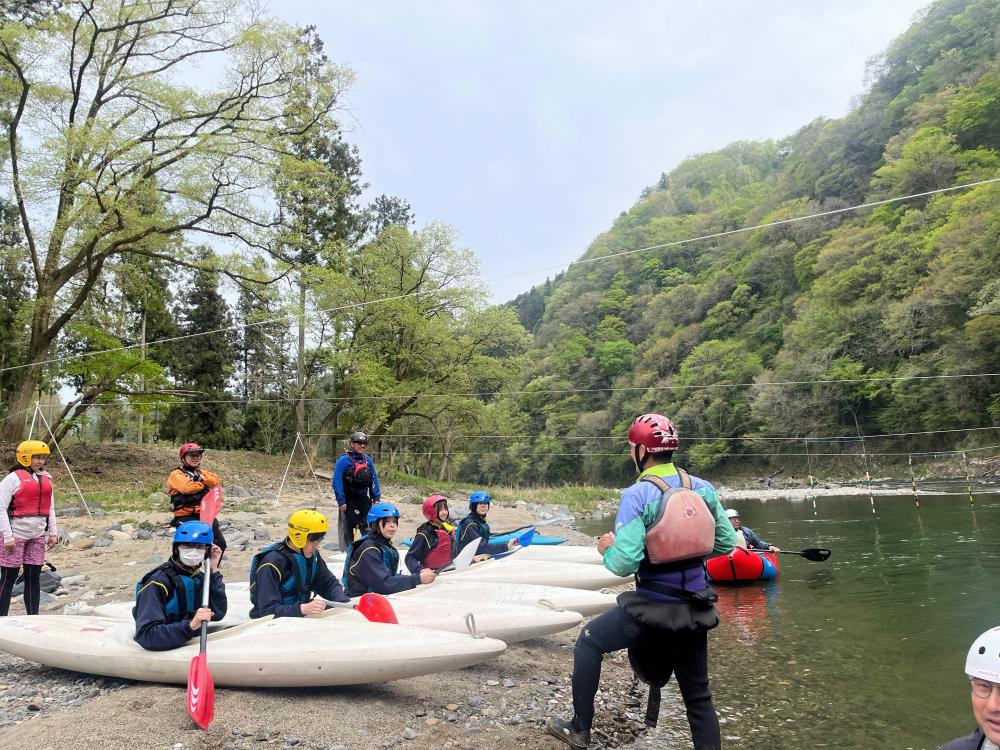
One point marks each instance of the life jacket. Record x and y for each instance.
(296, 588)
(187, 504)
(359, 474)
(441, 554)
(741, 539)
(33, 497)
(469, 520)
(390, 557)
(182, 591)
(684, 528)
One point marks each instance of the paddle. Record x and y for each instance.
(375, 608)
(201, 687)
(816, 554)
(463, 559)
(525, 539)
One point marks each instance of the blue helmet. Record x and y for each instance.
(382, 510)
(476, 498)
(193, 532)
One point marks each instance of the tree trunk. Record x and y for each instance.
(300, 364)
(22, 388)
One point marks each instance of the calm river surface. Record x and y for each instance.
(867, 649)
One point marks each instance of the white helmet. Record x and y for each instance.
(983, 661)
(732, 513)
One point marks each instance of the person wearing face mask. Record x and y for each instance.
(27, 524)
(434, 542)
(285, 576)
(168, 611)
(187, 486)
(372, 561)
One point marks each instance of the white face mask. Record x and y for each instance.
(191, 556)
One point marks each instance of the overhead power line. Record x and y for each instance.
(356, 305)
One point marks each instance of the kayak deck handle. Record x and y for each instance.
(550, 605)
(470, 625)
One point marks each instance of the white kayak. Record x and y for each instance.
(560, 553)
(587, 603)
(335, 649)
(539, 572)
(506, 621)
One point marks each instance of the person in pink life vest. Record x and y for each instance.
(434, 542)
(27, 523)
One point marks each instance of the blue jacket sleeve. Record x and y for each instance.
(153, 632)
(754, 541)
(266, 593)
(414, 559)
(376, 488)
(368, 572)
(338, 480)
(325, 584)
(471, 531)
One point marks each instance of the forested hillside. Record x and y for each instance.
(907, 289)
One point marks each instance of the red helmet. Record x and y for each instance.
(654, 432)
(190, 448)
(429, 508)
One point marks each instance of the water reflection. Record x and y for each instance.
(817, 657)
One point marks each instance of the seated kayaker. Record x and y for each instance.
(474, 526)
(168, 611)
(434, 542)
(745, 537)
(982, 667)
(187, 486)
(285, 576)
(372, 561)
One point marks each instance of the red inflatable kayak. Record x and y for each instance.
(743, 565)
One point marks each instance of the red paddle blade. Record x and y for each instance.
(210, 505)
(200, 692)
(377, 609)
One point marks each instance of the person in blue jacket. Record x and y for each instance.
(661, 611)
(285, 576)
(746, 534)
(372, 561)
(168, 611)
(474, 526)
(355, 485)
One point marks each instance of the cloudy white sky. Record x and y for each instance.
(530, 125)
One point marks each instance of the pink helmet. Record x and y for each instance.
(654, 432)
(429, 508)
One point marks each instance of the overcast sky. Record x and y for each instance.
(529, 126)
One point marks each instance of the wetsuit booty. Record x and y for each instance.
(8, 576)
(563, 730)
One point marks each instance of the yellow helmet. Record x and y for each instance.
(304, 523)
(28, 448)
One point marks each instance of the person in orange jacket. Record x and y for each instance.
(187, 486)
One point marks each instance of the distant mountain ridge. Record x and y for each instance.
(907, 290)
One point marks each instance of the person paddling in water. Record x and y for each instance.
(285, 576)
(745, 537)
(27, 523)
(187, 486)
(982, 667)
(434, 543)
(474, 526)
(372, 561)
(168, 611)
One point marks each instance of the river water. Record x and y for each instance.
(867, 649)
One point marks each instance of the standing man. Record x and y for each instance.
(668, 522)
(355, 485)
